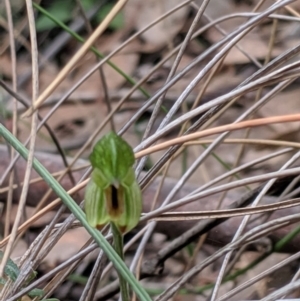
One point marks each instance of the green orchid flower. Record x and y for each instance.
(113, 194)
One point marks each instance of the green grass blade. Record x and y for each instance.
(93, 49)
(78, 213)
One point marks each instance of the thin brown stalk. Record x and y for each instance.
(35, 91)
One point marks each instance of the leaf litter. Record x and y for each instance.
(76, 119)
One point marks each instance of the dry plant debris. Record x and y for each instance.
(162, 70)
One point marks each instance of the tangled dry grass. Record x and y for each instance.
(207, 94)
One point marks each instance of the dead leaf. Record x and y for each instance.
(67, 246)
(253, 45)
(141, 13)
(29, 211)
(72, 123)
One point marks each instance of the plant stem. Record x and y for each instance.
(118, 246)
(80, 39)
(75, 209)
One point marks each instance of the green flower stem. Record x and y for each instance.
(118, 245)
(78, 213)
(93, 49)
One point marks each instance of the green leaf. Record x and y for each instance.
(87, 4)
(75, 209)
(2, 281)
(80, 39)
(11, 270)
(32, 275)
(36, 292)
(116, 23)
(60, 9)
